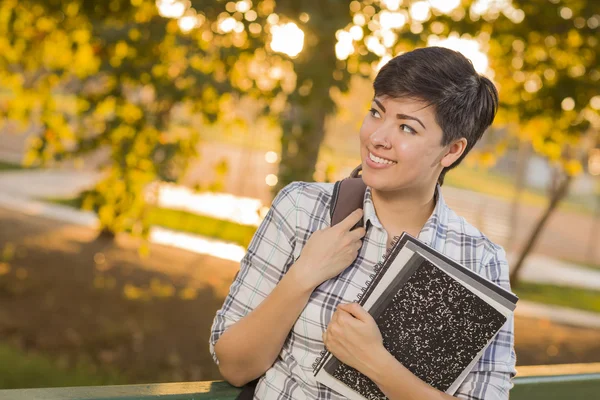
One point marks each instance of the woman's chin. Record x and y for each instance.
(374, 179)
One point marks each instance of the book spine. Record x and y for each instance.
(322, 357)
(359, 297)
(374, 277)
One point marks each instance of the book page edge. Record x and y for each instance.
(334, 384)
(461, 378)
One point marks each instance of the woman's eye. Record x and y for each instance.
(407, 129)
(374, 113)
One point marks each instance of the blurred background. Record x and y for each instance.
(142, 141)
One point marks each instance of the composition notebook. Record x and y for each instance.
(435, 316)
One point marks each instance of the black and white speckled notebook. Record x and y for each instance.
(435, 316)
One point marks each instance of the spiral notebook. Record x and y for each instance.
(435, 316)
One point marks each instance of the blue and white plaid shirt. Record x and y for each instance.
(302, 208)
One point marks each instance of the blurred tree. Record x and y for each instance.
(543, 55)
(111, 75)
(131, 69)
(547, 66)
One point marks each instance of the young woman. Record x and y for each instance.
(297, 283)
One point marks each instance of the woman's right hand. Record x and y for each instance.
(329, 251)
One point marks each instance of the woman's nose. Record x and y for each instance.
(379, 139)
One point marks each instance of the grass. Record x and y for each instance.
(500, 186)
(19, 369)
(74, 202)
(202, 225)
(184, 221)
(586, 265)
(5, 166)
(587, 389)
(242, 234)
(588, 300)
(582, 299)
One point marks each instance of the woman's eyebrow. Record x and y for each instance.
(379, 104)
(399, 116)
(404, 116)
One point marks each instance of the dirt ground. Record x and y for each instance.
(67, 295)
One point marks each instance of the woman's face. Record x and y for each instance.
(401, 145)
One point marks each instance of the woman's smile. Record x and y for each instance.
(374, 161)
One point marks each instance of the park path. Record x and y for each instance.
(23, 190)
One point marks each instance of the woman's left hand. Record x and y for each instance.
(353, 337)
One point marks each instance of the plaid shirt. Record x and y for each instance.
(302, 208)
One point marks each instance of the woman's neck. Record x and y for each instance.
(403, 211)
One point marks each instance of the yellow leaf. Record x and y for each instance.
(4, 268)
(487, 159)
(106, 106)
(132, 292)
(144, 250)
(172, 27)
(72, 9)
(130, 113)
(553, 151)
(188, 293)
(574, 38)
(44, 24)
(106, 215)
(161, 290)
(134, 34)
(81, 36)
(573, 167)
(159, 70)
(86, 63)
(121, 49)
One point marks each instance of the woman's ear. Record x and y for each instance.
(454, 152)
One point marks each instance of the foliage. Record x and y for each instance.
(548, 70)
(111, 76)
(20, 369)
(542, 54)
(128, 76)
(4, 166)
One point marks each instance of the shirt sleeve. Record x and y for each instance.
(269, 256)
(491, 377)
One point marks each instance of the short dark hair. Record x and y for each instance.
(465, 102)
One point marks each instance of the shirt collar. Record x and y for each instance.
(432, 229)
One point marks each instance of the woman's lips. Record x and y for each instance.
(377, 165)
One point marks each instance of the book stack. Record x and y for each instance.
(436, 317)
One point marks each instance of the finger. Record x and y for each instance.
(358, 233)
(336, 315)
(347, 223)
(338, 318)
(356, 311)
(345, 317)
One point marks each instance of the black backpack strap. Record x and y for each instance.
(348, 195)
